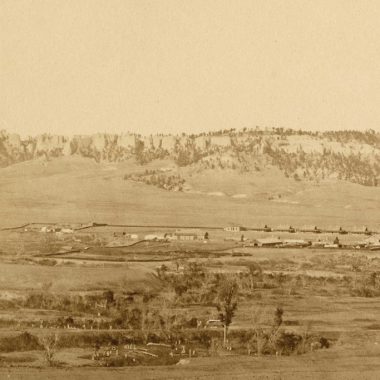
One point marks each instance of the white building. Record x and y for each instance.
(233, 229)
(155, 237)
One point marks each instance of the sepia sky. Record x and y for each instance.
(86, 66)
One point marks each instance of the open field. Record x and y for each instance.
(23, 277)
(189, 190)
(318, 289)
(99, 286)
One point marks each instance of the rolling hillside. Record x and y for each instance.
(74, 188)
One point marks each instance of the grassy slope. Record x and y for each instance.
(74, 189)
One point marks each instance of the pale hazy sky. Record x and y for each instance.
(85, 66)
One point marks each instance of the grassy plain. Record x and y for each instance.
(79, 190)
(326, 308)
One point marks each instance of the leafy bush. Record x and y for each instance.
(287, 342)
(48, 262)
(158, 179)
(324, 342)
(22, 342)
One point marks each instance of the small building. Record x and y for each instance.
(170, 236)
(268, 242)
(154, 237)
(48, 229)
(296, 243)
(124, 235)
(190, 235)
(214, 324)
(234, 229)
(319, 244)
(333, 245)
(373, 240)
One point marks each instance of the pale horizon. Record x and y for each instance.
(83, 67)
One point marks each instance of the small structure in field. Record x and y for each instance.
(374, 240)
(296, 243)
(190, 235)
(155, 237)
(170, 236)
(342, 231)
(333, 245)
(48, 229)
(124, 235)
(268, 242)
(319, 244)
(234, 229)
(214, 324)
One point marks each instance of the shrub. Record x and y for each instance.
(324, 342)
(17, 359)
(49, 343)
(22, 342)
(48, 262)
(287, 342)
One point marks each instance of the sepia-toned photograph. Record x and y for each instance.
(189, 189)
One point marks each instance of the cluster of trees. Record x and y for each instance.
(112, 152)
(188, 153)
(158, 179)
(147, 311)
(257, 131)
(145, 155)
(195, 284)
(164, 311)
(367, 285)
(352, 167)
(88, 303)
(364, 280)
(224, 292)
(248, 146)
(369, 137)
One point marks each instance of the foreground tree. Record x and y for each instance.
(254, 273)
(259, 316)
(227, 303)
(49, 343)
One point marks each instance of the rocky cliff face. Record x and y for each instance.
(348, 155)
(101, 147)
